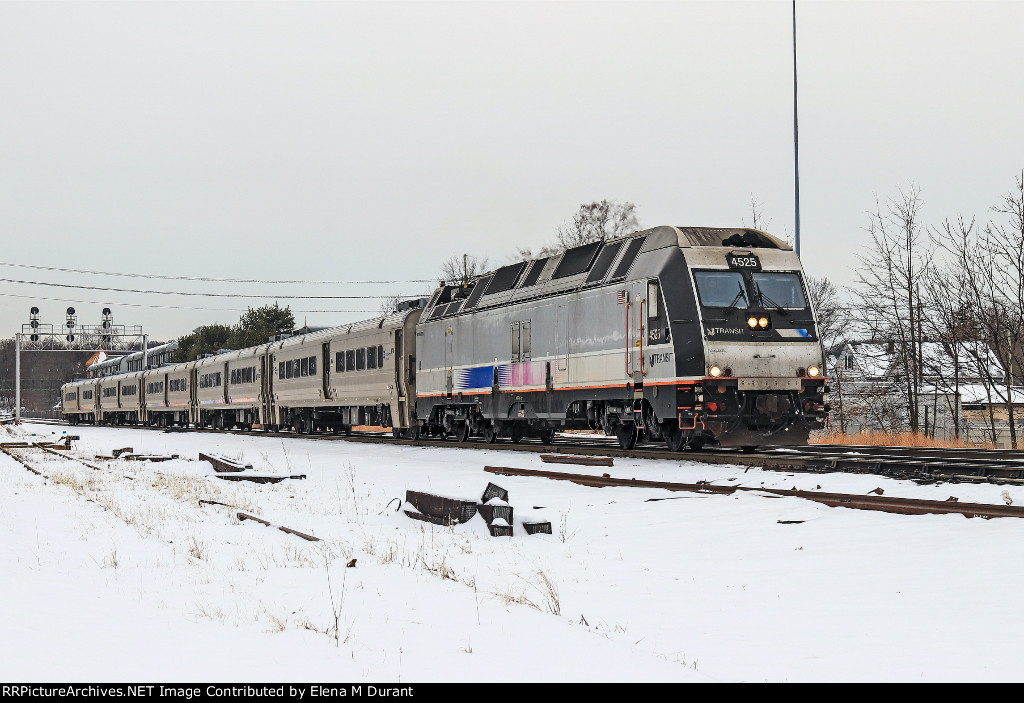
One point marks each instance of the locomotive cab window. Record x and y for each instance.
(721, 289)
(779, 288)
(653, 299)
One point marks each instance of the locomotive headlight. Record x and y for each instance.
(715, 371)
(763, 322)
(813, 371)
(752, 322)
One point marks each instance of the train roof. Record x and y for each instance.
(590, 264)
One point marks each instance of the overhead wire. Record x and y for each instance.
(204, 295)
(163, 307)
(211, 279)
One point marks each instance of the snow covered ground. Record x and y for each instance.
(122, 574)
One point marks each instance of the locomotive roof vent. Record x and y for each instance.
(730, 237)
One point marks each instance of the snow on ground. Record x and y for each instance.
(122, 574)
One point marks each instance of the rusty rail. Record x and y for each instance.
(583, 460)
(906, 506)
(303, 535)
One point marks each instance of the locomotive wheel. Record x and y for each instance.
(489, 434)
(462, 432)
(414, 431)
(546, 436)
(675, 440)
(396, 432)
(516, 434)
(627, 435)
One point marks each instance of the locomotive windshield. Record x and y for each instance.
(781, 289)
(721, 289)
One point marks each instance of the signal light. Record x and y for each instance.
(106, 311)
(762, 322)
(34, 310)
(70, 337)
(71, 311)
(34, 337)
(752, 322)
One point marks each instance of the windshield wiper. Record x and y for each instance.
(765, 300)
(741, 294)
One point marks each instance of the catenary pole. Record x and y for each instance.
(796, 141)
(17, 378)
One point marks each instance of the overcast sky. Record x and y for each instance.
(349, 140)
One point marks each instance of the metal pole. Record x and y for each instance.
(145, 352)
(17, 378)
(796, 139)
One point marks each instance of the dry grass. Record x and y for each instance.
(894, 439)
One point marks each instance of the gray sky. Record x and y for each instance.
(372, 140)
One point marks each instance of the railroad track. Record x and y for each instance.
(920, 464)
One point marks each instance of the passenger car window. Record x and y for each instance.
(360, 359)
(339, 362)
(371, 357)
(350, 360)
(304, 367)
(380, 356)
(312, 366)
(720, 289)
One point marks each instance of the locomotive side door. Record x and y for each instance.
(449, 359)
(635, 338)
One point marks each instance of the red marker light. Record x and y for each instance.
(712, 406)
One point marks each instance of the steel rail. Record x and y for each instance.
(906, 506)
(925, 464)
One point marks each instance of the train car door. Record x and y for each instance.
(264, 391)
(326, 364)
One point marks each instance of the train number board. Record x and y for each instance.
(743, 261)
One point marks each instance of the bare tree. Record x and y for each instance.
(833, 319)
(598, 221)
(889, 287)
(459, 269)
(991, 259)
(389, 304)
(758, 218)
(833, 329)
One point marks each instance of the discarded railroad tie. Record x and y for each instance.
(258, 478)
(223, 464)
(493, 507)
(303, 535)
(906, 506)
(124, 450)
(148, 457)
(582, 460)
